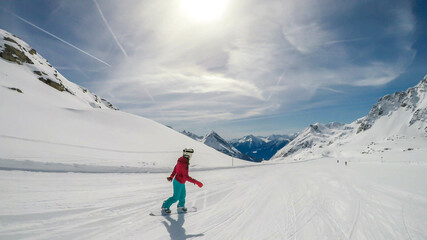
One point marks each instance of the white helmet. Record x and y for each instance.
(187, 152)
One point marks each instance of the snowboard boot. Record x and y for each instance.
(165, 210)
(182, 209)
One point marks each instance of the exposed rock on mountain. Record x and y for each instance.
(395, 124)
(410, 101)
(15, 50)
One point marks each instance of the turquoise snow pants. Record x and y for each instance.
(179, 194)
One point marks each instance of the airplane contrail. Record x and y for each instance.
(277, 83)
(60, 39)
(345, 40)
(109, 28)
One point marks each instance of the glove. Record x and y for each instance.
(199, 184)
(169, 179)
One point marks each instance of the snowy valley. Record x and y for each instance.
(73, 166)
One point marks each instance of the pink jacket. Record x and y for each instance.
(180, 172)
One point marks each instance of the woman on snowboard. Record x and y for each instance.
(180, 172)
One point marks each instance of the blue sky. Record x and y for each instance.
(237, 67)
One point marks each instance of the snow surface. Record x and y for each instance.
(95, 173)
(317, 199)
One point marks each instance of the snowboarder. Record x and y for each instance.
(180, 172)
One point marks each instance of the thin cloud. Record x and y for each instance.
(306, 37)
(149, 94)
(279, 80)
(109, 28)
(273, 59)
(60, 39)
(345, 41)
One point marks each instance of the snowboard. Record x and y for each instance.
(159, 212)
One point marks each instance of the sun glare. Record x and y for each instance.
(204, 10)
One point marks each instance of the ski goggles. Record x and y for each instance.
(188, 152)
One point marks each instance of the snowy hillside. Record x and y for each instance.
(395, 129)
(217, 142)
(51, 124)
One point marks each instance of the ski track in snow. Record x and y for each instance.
(356, 218)
(310, 200)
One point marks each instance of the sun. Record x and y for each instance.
(204, 10)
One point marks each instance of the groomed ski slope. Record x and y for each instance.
(318, 199)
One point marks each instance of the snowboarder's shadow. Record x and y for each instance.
(176, 229)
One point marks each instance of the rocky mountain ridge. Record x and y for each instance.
(400, 118)
(250, 147)
(410, 100)
(217, 142)
(261, 148)
(16, 51)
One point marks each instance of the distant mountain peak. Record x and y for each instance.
(215, 141)
(212, 133)
(261, 147)
(214, 137)
(192, 135)
(251, 138)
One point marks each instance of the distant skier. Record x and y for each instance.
(180, 172)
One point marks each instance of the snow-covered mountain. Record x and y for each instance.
(261, 147)
(316, 135)
(49, 123)
(395, 125)
(250, 147)
(192, 135)
(14, 50)
(249, 141)
(217, 142)
(412, 103)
